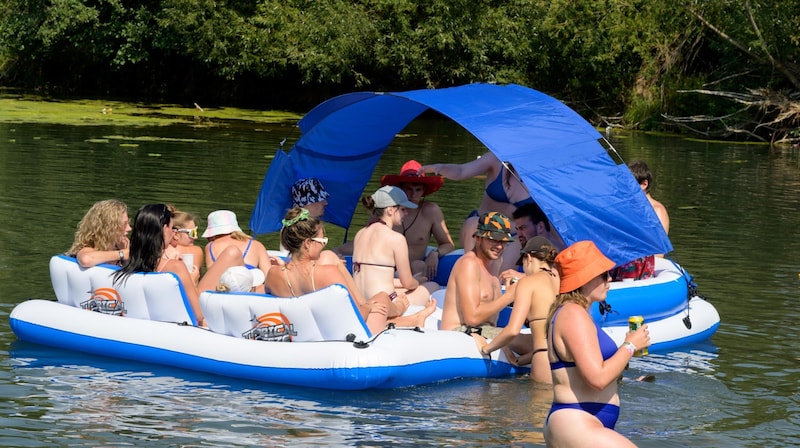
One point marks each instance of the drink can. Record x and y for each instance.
(634, 323)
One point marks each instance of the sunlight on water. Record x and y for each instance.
(733, 225)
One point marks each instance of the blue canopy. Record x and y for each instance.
(557, 154)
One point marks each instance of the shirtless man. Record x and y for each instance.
(421, 223)
(642, 174)
(643, 267)
(531, 221)
(473, 298)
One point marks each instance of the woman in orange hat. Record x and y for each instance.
(584, 362)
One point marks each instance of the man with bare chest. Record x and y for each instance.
(473, 297)
(424, 222)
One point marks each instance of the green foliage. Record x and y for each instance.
(604, 57)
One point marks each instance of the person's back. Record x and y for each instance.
(424, 222)
(284, 282)
(223, 231)
(375, 251)
(379, 251)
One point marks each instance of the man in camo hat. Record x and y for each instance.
(473, 297)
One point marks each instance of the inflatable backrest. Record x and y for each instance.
(70, 282)
(228, 313)
(259, 316)
(166, 299)
(327, 314)
(102, 276)
(337, 314)
(153, 296)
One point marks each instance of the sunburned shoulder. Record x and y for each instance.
(465, 262)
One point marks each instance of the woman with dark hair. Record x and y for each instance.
(304, 237)
(152, 232)
(535, 293)
(585, 363)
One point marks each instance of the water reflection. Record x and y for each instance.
(733, 226)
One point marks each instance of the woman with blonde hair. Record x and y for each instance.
(585, 363)
(153, 229)
(185, 238)
(102, 234)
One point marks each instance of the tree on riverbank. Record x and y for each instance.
(642, 64)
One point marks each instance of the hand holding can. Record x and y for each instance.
(634, 323)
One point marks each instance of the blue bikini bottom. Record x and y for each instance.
(606, 413)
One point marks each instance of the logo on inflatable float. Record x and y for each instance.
(273, 327)
(106, 301)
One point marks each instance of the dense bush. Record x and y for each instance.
(622, 62)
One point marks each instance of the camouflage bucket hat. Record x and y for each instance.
(495, 226)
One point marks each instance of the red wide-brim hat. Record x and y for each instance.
(408, 175)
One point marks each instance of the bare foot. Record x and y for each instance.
(399, 305)
(417, 319)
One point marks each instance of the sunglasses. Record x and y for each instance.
(191, 232)
(323, 240)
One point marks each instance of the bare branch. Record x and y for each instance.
(726, 37)
(777, 64)
(779, 116)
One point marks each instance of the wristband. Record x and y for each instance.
(121, 256)
(629, 347)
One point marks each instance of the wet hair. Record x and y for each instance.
(293, 235)
(369, 204)
(147, 240)
(99, 227)
(642, 173)
(534, 212)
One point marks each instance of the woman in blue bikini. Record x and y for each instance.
(503, 193)
(584, 362)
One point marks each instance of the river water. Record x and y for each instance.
(733, 210)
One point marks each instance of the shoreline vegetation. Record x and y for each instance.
(21, 108)
(728, 69)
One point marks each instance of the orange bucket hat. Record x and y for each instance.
(580, 263)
